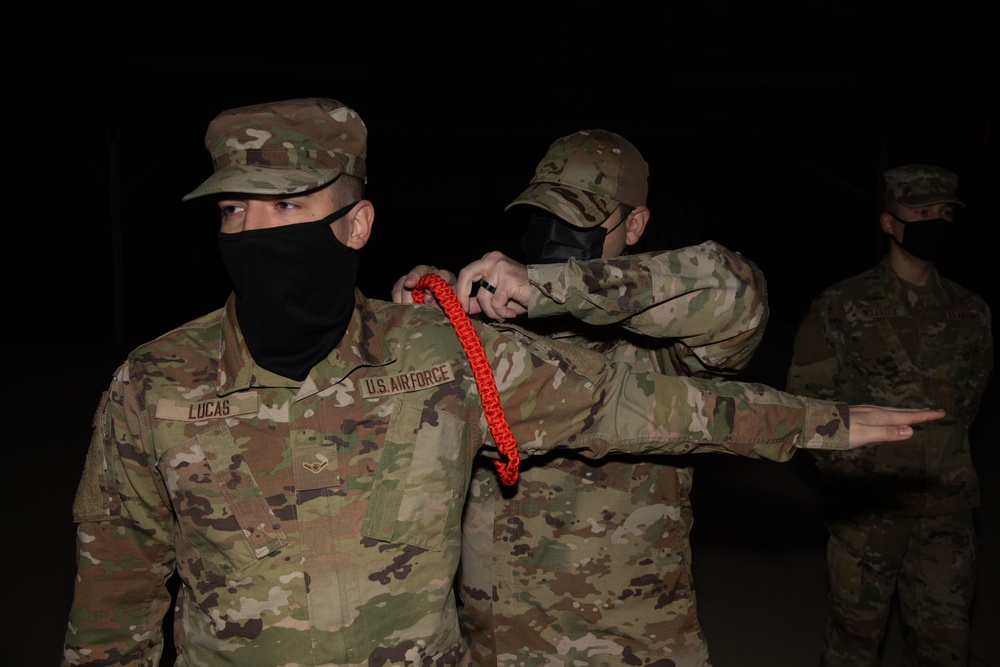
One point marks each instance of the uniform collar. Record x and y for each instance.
(933, 293)
(361, 345)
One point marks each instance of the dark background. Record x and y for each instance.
(766, 126)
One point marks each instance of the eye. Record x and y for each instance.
(229, 208)
(286, 205)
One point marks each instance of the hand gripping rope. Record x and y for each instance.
(480, 368)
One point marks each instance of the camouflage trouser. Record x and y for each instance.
(929, 561)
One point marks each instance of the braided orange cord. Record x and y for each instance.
(481, 370)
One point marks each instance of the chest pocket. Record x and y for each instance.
(419, 488)
(222, 514)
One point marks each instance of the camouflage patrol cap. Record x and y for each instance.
(921, 184)
(283, 147)
(585, 176)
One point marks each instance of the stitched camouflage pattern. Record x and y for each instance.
(709, 296)
(876, 339)
(585, 176)
(920, 185)
(283, 147)
(589, 562)
(319, 523)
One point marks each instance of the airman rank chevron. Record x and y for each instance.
(408, 381)
(240, 403)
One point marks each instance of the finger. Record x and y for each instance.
(465, 286)
(512, 285)
(878, 415)
(490, 302)
(867, 434)
(399, 292)
(402, 290)
(408, 282)
(921, 416)
(511, 309)
(895, 433)
(512, 280)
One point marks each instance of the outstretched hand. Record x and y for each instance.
(874, 423)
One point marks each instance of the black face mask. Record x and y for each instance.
(294, 288)
(924, 239)
(549, 239)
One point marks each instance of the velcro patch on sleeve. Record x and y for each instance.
(92, 501)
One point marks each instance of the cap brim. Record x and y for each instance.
(913, 201)
(576, 207)
(262, 181)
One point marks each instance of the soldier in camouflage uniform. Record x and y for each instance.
(900, 517)
(300, 457)
(589, 562)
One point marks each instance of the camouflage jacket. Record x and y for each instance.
(876, 339)
(589, 562)
(319, 522)
(709, 302)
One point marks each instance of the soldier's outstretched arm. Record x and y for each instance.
(568, 396)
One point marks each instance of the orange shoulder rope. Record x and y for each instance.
(481, 369)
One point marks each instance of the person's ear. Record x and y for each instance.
(636, 225)
(361, 218)
(885, 223)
